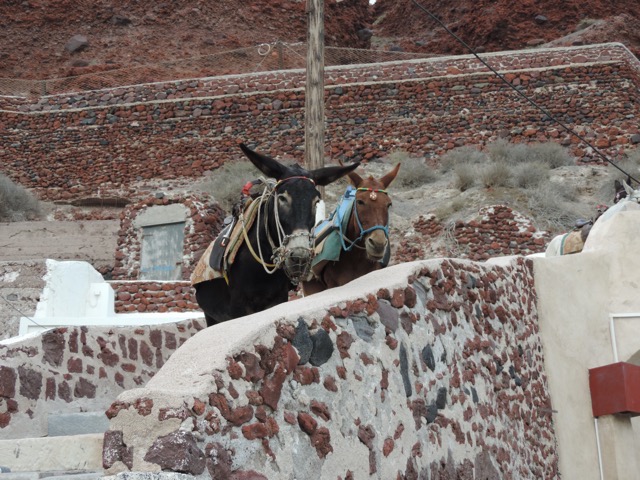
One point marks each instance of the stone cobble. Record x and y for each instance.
(148, 296)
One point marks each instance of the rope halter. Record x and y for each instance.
(296, 262)
(373, 194)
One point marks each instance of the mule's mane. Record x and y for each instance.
(297, 171)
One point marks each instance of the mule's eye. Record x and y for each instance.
(282, 200)
(360, 202)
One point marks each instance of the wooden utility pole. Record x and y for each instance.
(314, 93)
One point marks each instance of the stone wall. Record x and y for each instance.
(21, 284)
(202, 225)
(102, 143)
(149, 296)
(79, 369)
(497, 231)
(429, 369)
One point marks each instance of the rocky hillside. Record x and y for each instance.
(42, 39)
(64, 37)
(493, 25)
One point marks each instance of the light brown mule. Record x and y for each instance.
(365, 240)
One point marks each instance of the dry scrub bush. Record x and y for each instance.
(225, 183)
(549, 153)
(502, 151)
(464, 176)
(413, 173)
(446, 210)
(523, 171)
(496, 175)
(505, 164)
(16, 203)
(530, 175)
(461, 156)
(554, 206)
(464, 162)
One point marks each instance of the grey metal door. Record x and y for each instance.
(162, 251)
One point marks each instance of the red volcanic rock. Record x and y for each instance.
(307, 423)
(202, 29)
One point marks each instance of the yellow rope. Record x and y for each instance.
(246, 239)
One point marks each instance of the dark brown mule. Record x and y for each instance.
(363, 237)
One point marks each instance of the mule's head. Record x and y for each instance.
(293, 207)
(625, 192)
(630, 194)
(621, 190)
(370, 219)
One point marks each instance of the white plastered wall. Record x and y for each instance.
(576, 296)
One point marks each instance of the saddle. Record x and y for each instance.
(220, 244)
(220, 254)
(572, 242)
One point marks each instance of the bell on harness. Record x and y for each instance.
(247, 195)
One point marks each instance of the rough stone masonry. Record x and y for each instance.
(439, 375)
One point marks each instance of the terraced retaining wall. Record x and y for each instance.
(103, 142)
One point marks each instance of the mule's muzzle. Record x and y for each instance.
(297, 264)
(376, 246)
(295, 256)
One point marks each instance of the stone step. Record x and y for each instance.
(71, 453)
(65, 424)
(74, 475)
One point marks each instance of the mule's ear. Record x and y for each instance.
(355, 179)
(267, 165)
(617, 185)
(388, 178)
(627, 188)
(326, 175)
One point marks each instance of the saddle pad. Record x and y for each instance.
(328, 250)
(571, 243)
(327, 233)
(203, 270)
